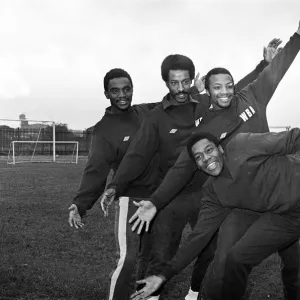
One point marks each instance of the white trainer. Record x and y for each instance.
(191, 295)
(154, 297)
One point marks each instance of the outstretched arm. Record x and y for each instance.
(269, 143)
(264, 87)
(210, 218)
(93, 181)
(269, 53)
(175, 180)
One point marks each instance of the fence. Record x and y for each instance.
(7, 135)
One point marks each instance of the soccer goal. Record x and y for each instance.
(43, 151)
(26, 140)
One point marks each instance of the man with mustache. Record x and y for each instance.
(256, 172)
(165, 131)
(112, 136)
(229, 115)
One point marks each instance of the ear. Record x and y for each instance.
(207, 92)
(221, 149)
(106, 94)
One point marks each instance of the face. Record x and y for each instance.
(119, 92)
(221, 90)
(179, 85)
(208, 157)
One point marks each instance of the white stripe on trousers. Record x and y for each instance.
(122, 243)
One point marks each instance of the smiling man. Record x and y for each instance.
(256, 172)
(112, 136)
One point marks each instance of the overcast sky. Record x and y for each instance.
(55, 53)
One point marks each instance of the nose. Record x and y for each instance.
(121, 94)
(180, 87)
(206, 157)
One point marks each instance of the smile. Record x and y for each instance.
(211, 166)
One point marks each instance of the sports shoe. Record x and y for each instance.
(191, 295)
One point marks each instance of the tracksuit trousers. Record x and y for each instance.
(167, 229)
(244, 240)
(132, 250)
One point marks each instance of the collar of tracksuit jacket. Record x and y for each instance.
(168, 101)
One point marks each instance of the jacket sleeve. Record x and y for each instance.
(176, 179)
(211, 216)
(264, 87)
(251, 76)
(269, 143)
(140, 152)
(93, 180)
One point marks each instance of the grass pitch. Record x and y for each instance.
(42, 257)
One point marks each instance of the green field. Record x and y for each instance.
(42, 257)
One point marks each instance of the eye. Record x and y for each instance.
(230, 86)
(173, 83)
(209, 150)
(198, 157)
(127, 90)
(114, 91)
(216, 87)
(186, 81)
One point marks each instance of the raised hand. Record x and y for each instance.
(106, 200)
(74, 217)
(152, 284)
(272, 49)
(199, 83)
(144, 214)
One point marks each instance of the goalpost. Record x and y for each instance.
(31, 141)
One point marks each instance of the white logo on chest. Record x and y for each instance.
(173, 130)
(126, 138)
(248, 113)
(223, 135)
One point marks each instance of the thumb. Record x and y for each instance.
(72, 207)
(138, 203)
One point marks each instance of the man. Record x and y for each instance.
(255, 172)
(166, 131)
(230, 114)
(111, 138)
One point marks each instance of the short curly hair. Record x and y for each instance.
(177, 62)
(196, 137)
(115, 73)
(215, 71)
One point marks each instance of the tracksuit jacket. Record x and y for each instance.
(247, 113)
(111, 138)
(259, 174)
(165, 131)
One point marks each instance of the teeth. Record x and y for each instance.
(211, 166)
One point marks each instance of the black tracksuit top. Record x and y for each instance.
(112, 136)
(259, 174)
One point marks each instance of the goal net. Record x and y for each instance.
(43, 151)
(26, 140)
